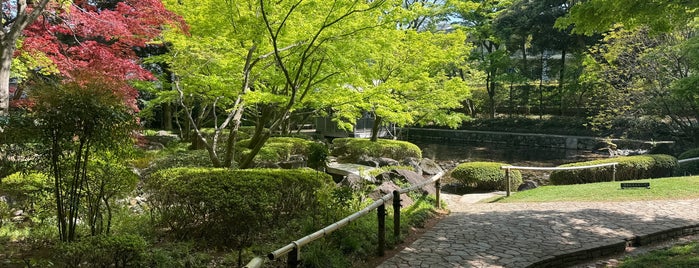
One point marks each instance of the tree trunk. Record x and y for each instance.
(5, 65)
(541, 88)
(375, 128)
(525, 71)
(560, 80)
(491, 84)
(167, 116)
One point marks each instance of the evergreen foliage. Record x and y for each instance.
(486, 176)
(629, 168)
(351, 149)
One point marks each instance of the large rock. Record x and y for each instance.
(353, 181)
(429, 167)
(344, 169)
(385, 161)
(295, 161)
(527, 185)
(414, 163)
(368, 161)
(414, 178)
(389, 187)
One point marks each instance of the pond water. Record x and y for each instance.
(491, 152)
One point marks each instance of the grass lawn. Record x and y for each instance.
(664, 188)
(678, 256)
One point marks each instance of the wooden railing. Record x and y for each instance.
(293, 249)
(508, 168)
(681, 161)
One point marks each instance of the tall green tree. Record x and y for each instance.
(649, 75)
(659, 15)
(411, 78)
(267, 59)
(79, 121)
(489, 52)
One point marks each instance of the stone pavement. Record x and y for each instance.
(544, 234)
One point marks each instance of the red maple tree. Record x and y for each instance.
(95, 39)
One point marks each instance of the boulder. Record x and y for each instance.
(429, 167)
(389, 187)
(368, 161)
(414, 163)
(295, 161)
(353, 181)
(385, 161)
(527, 185)
(414, 178)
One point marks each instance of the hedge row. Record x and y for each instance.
(277, 149)
(351, 149)
(629, 168)
(689, 168)
(228, 208)
(486, 176)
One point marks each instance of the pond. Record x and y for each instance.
(491, 152)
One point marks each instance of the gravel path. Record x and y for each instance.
(543, 234)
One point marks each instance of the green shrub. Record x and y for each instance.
(486, 176)
(193, 158)
(629, 168)
(351, 149)
(277, 149)
(689, 168)
(236, 208)
(30, 192)
(103, 251)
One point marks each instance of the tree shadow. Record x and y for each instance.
(529, 235)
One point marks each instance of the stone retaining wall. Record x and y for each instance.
(524, 139)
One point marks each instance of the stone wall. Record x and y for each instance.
(523, 139)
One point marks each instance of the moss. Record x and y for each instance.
(486, 176)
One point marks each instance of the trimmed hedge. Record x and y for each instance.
(235, 208)
(689, 168)
(486, 176)
(629, 168)
(351, 149)
(277, 149)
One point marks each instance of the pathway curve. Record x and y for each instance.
(544, 234)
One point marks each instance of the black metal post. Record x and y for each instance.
(396, 215)
(381, 213)
(438, 189)
(507, 176)
(292, 260)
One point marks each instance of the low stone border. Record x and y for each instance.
(580, 256)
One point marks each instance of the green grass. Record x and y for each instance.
(665, 188)
(678, 256)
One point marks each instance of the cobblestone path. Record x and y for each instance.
(543, 234)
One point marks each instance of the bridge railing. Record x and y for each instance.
(293, 249)
(508, 168)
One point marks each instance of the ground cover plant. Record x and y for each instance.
(679, 256)
(663, 188)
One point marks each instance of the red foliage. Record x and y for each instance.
(86, 38)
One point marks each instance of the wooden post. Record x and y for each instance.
(292, 260)
(381, 213)
(507, 177)
(438, 189)
(614, 172)
(396, 215)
